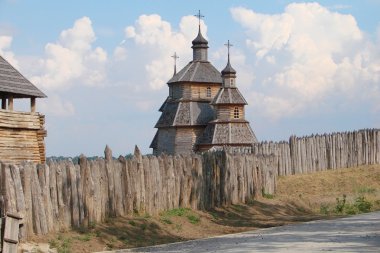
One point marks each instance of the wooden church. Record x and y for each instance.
(21, 133)
(204, 108)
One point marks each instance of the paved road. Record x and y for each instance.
(360, 233)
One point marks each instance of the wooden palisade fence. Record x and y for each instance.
(60, 195)
(323, 152)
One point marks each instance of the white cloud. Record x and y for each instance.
(56, 106)
(5, 44)
(155, 40)
(120, 53)
(72, 59)
(304, 55)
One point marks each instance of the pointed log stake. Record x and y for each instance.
(108, 153)
(137, 154)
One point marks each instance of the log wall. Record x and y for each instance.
(60, 195)
(22, 137)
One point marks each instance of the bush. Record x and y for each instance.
(340, 204)
(362, 204)
(324, 209)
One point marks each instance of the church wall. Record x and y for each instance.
(177, 90)
(241, 111)
(165, 141)
(186, 91)
(197, 134)
(184, 140)
(223, 112)
(199, 91)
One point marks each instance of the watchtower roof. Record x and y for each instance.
(14, 83)
(197, 71)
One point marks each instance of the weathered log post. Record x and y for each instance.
(140, 180)
(111, 183)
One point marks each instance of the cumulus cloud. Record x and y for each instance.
(155, 40)
(72, 59)
(305, 54)
(5, 44)
(56, 106)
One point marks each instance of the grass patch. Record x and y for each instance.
(343, 207)
(193, 219)
(180, 212)
(166, 220)
(366, 190)
(84, 238)
(266, 195)
(177, 212)
(63, 245)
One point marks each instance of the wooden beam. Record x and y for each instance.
(10, 103)
(4, 103)
(33, 104)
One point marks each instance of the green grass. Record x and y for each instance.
(63, 245)
(266, 195)
(180, 212)
(366, 190)
(342, 206)
(193, 219)
(166, 220)
(84, 238)
(177, 212)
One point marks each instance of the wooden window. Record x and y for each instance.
(208, 92)
(236, 113)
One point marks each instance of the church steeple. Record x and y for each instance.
(200, 44)
(229, 73)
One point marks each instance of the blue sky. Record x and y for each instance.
(304, 67)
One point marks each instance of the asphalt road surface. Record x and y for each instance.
(360, 233)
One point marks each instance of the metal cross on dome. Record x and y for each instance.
(199, 16)
(228, 45)
(175, 57)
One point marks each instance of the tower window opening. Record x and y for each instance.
(208, 92)
(232, 82)
(236, 113)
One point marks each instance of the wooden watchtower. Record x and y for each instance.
(21, 133)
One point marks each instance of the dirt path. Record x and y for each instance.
(360, 233)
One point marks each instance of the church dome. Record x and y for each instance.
(228, 69)
(199, 40)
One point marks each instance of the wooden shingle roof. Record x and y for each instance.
(185, 114)
(14, 83)
(197, 71)
(229, 96)
(228, 133)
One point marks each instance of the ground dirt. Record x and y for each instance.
(298, 198)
